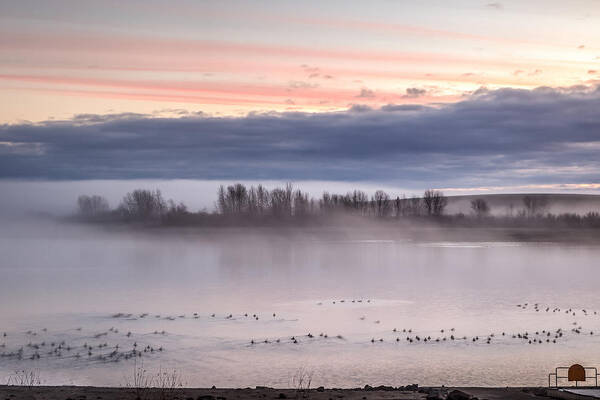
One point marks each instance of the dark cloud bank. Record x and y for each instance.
(496, 137)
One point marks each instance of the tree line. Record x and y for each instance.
(289, 202)
(238, 203)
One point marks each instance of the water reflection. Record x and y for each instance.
(374, 294)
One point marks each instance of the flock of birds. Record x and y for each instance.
(95, 347)
(449, 335)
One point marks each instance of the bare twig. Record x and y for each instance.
(25, 377)
(301, 382)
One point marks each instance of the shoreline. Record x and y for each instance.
(260, 392)
(386, 231)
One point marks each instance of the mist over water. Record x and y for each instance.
(80, 285)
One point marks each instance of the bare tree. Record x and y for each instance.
(143, 204)
(414, 206)
(435, 202)
(535, 205)
(428, 201)
(480, 207)
(237, 197)
(176, 211)
(325, 203)
(281, 201)
(360, 201)
(301, 204)
(397, 207)
(222, 205)
(439, 203)
(381, 203)
(92, 206)
(252, 201)
(258, 201)
(510, 210)
(262, 200)
(233, 199)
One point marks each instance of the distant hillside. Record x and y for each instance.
(501, 204)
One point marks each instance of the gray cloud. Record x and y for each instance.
(500, 137)
(366, 94)
(413, 93)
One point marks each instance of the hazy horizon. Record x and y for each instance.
(59, 198)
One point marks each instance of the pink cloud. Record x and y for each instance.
(201, 93)
(200, 51)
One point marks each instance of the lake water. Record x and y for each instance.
(71, 286)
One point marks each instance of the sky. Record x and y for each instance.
(463, 96)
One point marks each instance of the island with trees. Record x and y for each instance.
(238, 205)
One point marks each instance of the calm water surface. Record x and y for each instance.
(158, 292)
